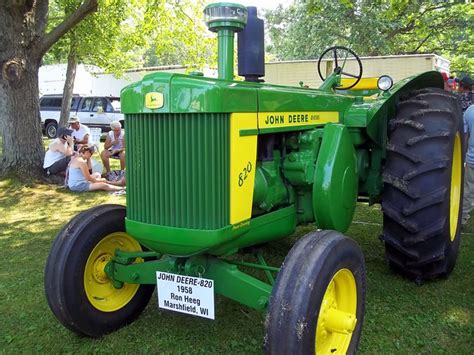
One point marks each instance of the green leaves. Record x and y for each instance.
(181, 37)
(129, 34)
(382, 27)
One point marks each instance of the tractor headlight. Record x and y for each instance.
(225, 14)
(385, 83)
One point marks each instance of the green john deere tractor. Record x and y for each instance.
(215, 166)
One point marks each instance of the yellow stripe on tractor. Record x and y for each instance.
(243, 155)
(363, 84)
(295, 119)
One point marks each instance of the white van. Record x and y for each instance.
(93, 111)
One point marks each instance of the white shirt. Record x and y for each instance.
(120, 138)
(81, 132)
(52, 156)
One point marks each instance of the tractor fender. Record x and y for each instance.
(384, 107)
(335, 180)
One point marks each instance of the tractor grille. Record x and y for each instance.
(178, 169)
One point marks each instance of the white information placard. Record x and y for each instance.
(185, 294)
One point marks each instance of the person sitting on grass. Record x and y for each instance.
(80, 132)
(79, 177)
(114, 146)
(59, 153)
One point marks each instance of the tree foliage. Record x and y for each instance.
(108, 39)
(130, 34)
(182, 38)
(380, 27)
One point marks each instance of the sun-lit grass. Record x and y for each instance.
(400, 317)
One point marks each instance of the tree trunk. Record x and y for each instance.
(23, 43)
(68, 86)
(19, 102)
(21, 131)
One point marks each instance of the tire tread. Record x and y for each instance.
(417, 177)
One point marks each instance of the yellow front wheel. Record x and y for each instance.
(78, 289)
(317, 304)
(337, 317)
(99, 288)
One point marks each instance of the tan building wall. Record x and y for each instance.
(398, 67)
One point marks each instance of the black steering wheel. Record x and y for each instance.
(339, 55)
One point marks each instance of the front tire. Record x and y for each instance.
(423, 178)
(78, 290)
(317, 302)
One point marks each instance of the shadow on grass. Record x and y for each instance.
(20, 234)
(400, 317)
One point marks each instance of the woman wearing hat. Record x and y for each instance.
(59, 153)
(80, 179)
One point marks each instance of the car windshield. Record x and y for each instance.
(115, 104)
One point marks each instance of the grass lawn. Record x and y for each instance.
(400, 317)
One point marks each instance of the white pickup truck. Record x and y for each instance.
(93, 111)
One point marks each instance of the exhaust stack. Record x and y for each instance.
(251, 50)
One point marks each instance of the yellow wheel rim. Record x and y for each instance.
(455, 195)
(98, 286)
(337, 315)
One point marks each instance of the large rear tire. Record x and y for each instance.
(78, 290)
(317, 303)
(423, 176)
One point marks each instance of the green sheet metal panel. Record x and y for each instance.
(188, 94)
(132, 97)
(335, 180)
(383, 109)
(273, 98)
(178, 170)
